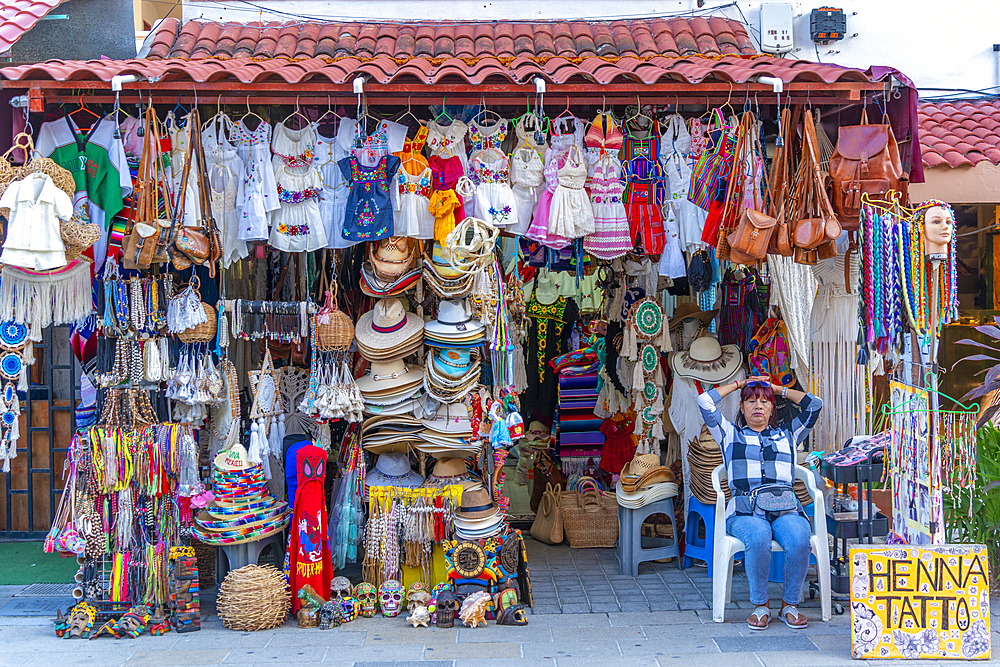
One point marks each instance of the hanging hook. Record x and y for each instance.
(195, 96)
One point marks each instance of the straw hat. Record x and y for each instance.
(707, 361)
(704, 456)
(448, 419)
(373, 286)
(477, 507)
(393, 469)
(452, 362)
(234, 458)
(452, 471)
(690, 310)
(454, 323)
(644, 471)
(386, 378)
(643, 497)
(392, 257)
(386, 328)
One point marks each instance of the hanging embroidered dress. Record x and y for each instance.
(493, 200)
(645, 193)
(446, 172)
(530, 132)
(527, 183)
(611, 237)
(369, 208)
(414, 218)
(571, 214)
(225, 169)
(309, 552)
(539, 228)
(333, 198)
(296, 225)
(257, 194)
(448, 141)
(603, 140)
(484, 137)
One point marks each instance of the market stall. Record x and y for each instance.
(360, 309)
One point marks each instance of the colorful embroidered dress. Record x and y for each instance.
(645, 193)
(611, 237)
(548, 333)
(571, 215)
(369, 209)
(296, 226)
(494, 201)
(413, 218)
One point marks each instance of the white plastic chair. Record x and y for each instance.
(727, 546)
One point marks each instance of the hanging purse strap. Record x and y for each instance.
(207, 217)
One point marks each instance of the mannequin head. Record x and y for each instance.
(939, 227)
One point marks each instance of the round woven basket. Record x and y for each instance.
(204, 332)
(77, 236)
(254, 598)
(337, 333)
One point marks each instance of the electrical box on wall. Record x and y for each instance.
(827, 24)
(776, 27)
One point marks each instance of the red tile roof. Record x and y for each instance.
(384, 70)
(643, 38)
(959, 133)
(19, 16)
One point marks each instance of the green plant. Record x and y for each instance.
(992, 380)
(972, 515)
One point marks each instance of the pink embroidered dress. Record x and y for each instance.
(611, 237)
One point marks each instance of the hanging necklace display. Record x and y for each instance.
(280, 321)
(646, 337)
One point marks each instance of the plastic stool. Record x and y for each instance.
(778, 557)
(695, 547)
(630, 551)
(235, 556)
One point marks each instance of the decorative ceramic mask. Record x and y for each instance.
(390, 597)
(340, 587)
(508, 610)
(445, 607)
(367, 595)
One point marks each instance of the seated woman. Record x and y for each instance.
(758, 451)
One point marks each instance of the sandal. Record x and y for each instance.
(760, 618)
(797, 622)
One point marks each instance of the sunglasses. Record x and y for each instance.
(758, 383)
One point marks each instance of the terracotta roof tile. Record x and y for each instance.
(543, 39)
(19, 16)
(959, 133)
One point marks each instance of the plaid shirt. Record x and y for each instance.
(752, 458)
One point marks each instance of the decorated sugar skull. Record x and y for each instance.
(340, 588)
(367, 595)
(352, 608)
(390, 597)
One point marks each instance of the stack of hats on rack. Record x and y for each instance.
(704, 456)
(451, 373)
(387, 332)
(391, 267)
(443, 278)
(643, 481)
(448, 433)
(393, 469)
(391, 433)
(455, 327)
(452, 471)
(478, 517)
(243, 509)
(391, 388)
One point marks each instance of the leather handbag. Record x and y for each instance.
(864, 161)
(193, 245)
(749, 243)
(779, 183)
(816, 223)
(548, 524)
(146, 235)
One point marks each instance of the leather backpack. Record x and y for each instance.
(864, 161)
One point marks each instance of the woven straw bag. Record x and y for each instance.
(77, 235)
(593, 522)
(204, 332)
(334, 328)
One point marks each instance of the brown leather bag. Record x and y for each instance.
(194, 245)
(144, 236)
(779, 184)
(749, 243)
(816, 222)
(864, 161)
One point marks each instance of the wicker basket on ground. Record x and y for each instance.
(204, 332)
(254, 598)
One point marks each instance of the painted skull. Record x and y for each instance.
(444, 607)
(390, 597)
(340, 587)
(367, 595)
(351, 607)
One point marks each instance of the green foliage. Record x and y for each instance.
(972, 515)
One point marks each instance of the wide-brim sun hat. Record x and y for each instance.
(392, 257)
(390, 378)
(454, 320)
(689, 310)
(477, 504)
(371, 285)
(452, 418)
(387, 326)
(707, 361)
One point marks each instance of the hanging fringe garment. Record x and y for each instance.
(41, 299)
(793, 287)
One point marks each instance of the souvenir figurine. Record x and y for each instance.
(508, 610)
(340, 587)
(444, 607)
(390, 597)
(351, 607)
(308, 598)
(331, 614)
(307, 617)
(419, 615)
(133, 622)
(474, 609)
(61, 624)
(367, 595)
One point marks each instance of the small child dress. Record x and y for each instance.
(611, 237)
(447, 141)
(413, 218)
(539, 229)
(257, 194)
(446, 173)
(527, 183)
(645, 193)
(369, 208)
(296, 225)
(484, 137)
(571, 214)
(494, 201)
(443, 205)
(333, 200)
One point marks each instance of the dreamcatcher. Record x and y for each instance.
(646, 337)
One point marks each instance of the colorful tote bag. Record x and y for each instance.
(769, 353)
(714, 165)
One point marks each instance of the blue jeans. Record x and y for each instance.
(792, 532)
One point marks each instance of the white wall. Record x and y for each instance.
(937, 44)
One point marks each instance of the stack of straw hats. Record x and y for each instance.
(704, 456)
(390, 433)
(243, 509)
(643, 481)
(391, 267)
(448, 433)
(478, 517)
(451, 471)
(451, 373)
(443, 278)
(388, 332)
(391, 388)
(454, 327)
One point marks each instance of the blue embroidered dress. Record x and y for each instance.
(369, 209)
